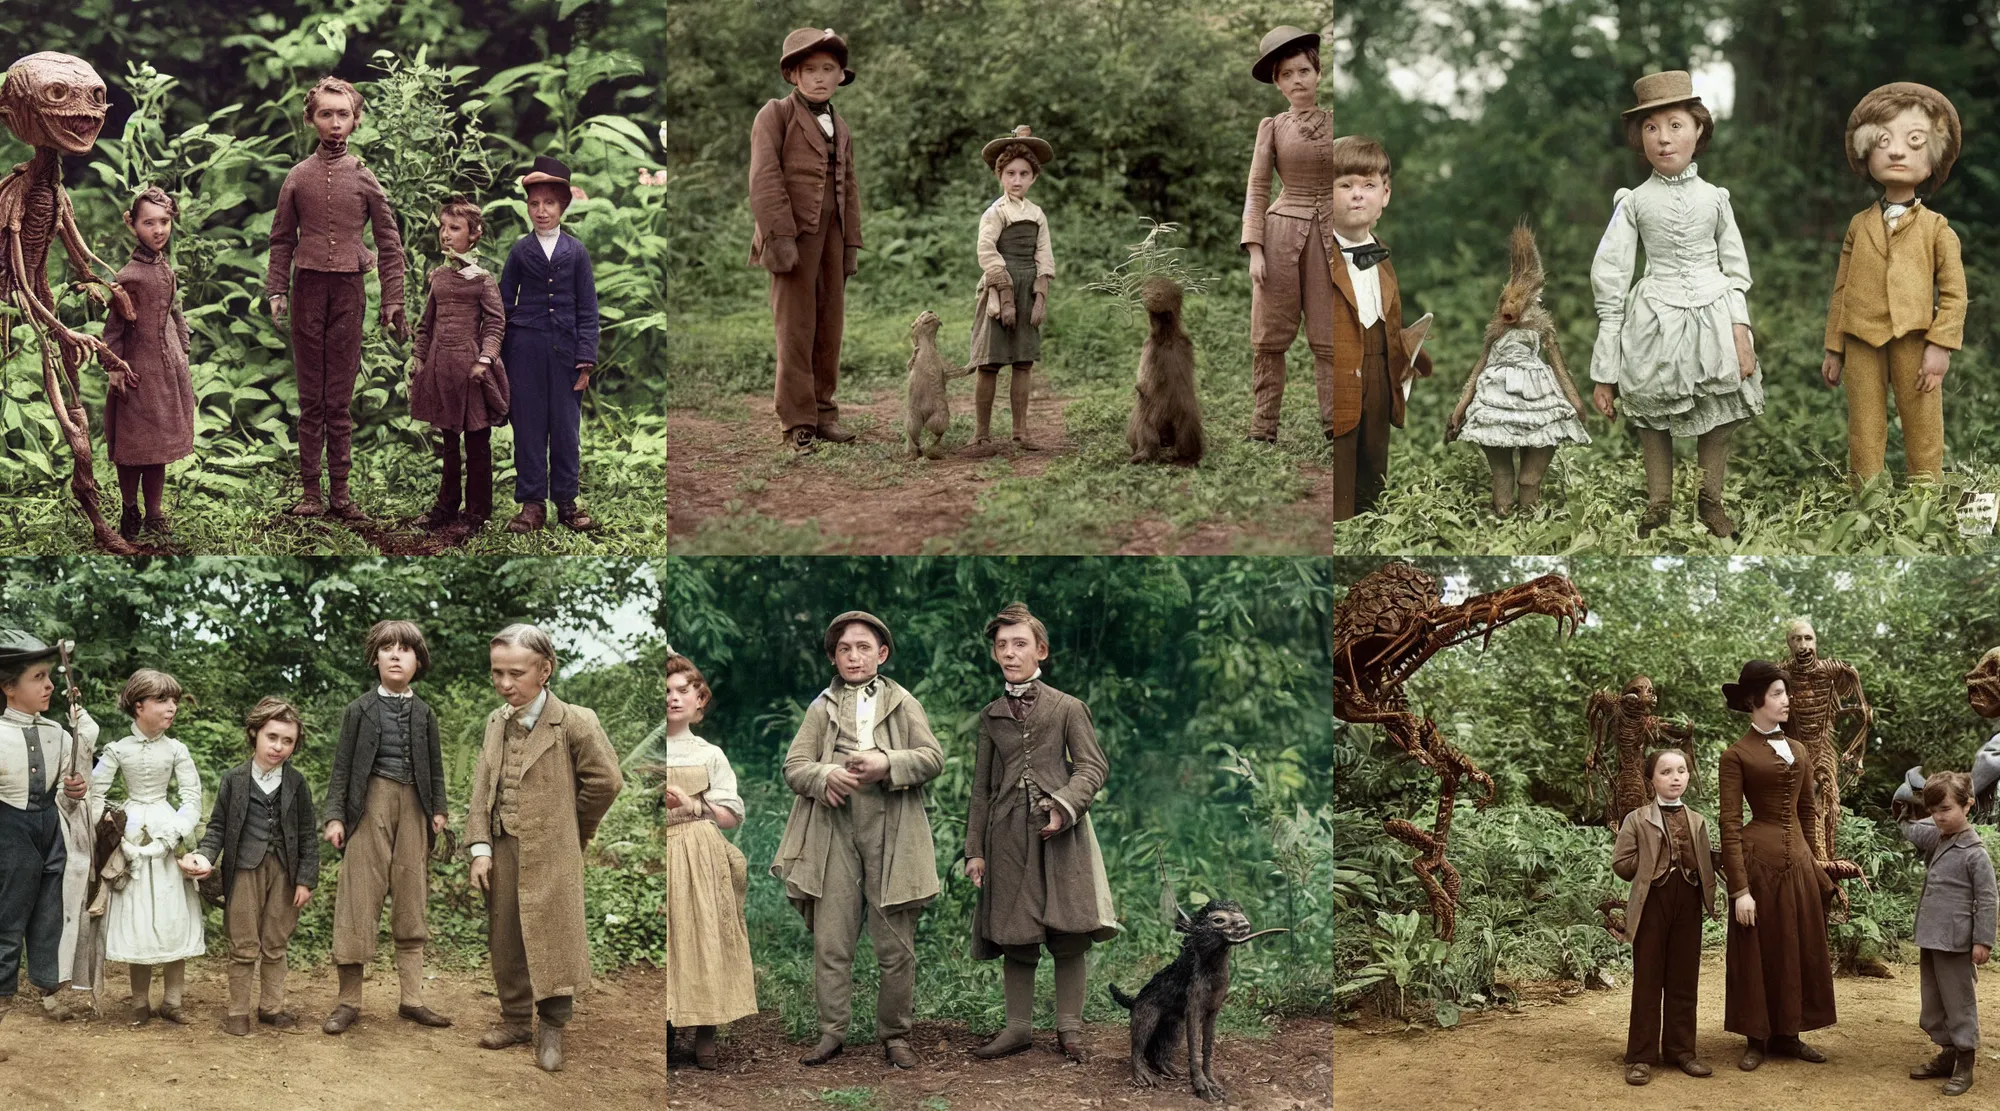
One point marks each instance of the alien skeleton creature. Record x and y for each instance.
(1625, 722)
(1393, 621)
(1822, 691)
(55, 103)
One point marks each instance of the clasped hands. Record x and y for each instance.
(869, 766)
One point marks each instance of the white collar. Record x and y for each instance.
(532, 712)
(144, 739)
(407, 692)
(1346, 242)
(1692, 172)
(1019, 689)
(549, 236)
(1777, 734)
(17, 717)
(270, 780)
(1663, 804)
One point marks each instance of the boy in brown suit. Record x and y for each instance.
(1663, 848)
(1898, 309)
(1370, 362)
(318, 258)
(857, 845)
(807, 206)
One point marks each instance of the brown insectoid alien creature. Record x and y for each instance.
(1625, 723)
(55, 103)
(1391, 622)
(1823, 691)
(927, 404)
(1166, 416)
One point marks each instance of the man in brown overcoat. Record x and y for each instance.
(807, 206)
(857, 841)
(545, 777)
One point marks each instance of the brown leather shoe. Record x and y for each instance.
(281, 1020)
(801, 440)
(141, 1014)
(1939, 1067)
(309, 504)
(128, 522)
(1961, 1075)
(172, 1013)
(503, 1034)
(423, 1016)
(239, 1025)
(1638, 1073)
(828, 1048)
(1753, 1055)
(1007, 1043)
(1794, 1048)
(438, 516)
(832, 432)
(531, 518)
(704, 1047)
(343, 1016)
(1688, 1064)
(1716, 518)
(571, 517)
(548, 1047)
(1071, 1043)
(339, 504)
(1655, 517)
(897, 1052)
(156, 526)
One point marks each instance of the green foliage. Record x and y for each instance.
(1208, 685)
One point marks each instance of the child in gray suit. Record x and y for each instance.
(1955, 921)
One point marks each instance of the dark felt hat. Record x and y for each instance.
(1878, 107)
(1044, 153)
(1662, 90)
(545, 170)
(1274, 43)
(1750, 685)
(810, 40)
(834, 627)
(19, 649)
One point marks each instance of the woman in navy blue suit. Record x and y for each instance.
(550, 347)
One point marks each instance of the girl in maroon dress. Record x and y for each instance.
(459, 388)
(1780, 977)
(149, 413)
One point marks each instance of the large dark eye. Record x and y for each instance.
(98, 97)
(56, 92)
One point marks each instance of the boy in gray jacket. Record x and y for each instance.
(1955, 923)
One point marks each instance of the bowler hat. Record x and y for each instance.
(546, 170)
(1750, 685)
(833, 628)
(809, 40)
(1660, 90)
(1274, 43)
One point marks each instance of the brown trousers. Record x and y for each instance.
(1666, 974)
(809, 309)
(1361, 455)
(1869, 375)
(387, 856)
(507, 950)
(326, 353)
(260, 918)
(1297, 281)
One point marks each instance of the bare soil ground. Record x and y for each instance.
(759, 1069)
(1563, 1050)
(615, 1051)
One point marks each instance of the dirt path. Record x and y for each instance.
(759, 1069)
(615, 1051)
(1565, 1052)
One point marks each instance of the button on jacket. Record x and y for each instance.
(556, 295)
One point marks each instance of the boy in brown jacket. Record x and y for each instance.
(1371, 363)
(1898, 309)
(318, 259)
(1663, 848)
(807, 206)
(857, 845)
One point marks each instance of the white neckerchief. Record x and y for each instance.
(864, 712)
(1367, 283)
(548, 241)
(1779, 744)
(267, 782)
(1016, 690)
(531, 713)
(1893, 213)
(823, 119)
(407, 692)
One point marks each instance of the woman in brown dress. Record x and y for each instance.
(1290, 238)
(459, 387)
(1780, 978)
(149, 414)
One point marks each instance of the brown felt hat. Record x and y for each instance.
(1662, 90)
(546, 170)
(1044, 153)
(1751, 683)
(1881, 104)
(834, 627)
(812, 40)
(1273, 44)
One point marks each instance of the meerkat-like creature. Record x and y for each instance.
(1166, 415)
(927, 403)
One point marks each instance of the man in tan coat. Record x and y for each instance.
(1898, 309)
(545, 777)
(858, 841)
(807, 206)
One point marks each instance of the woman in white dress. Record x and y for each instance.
(155, 919)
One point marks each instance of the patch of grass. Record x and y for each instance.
(855, 1099)
(744, 531)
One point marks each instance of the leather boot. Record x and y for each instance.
(1500, 465)
(831, 431)
(343, 1016)
(1709, 508)
(340, 504)
(1071, 1044)
(308, 504)
(531, 518)
(1961, 1075)
(1656, 449)
(573, 518)
(238, 1025)
(897, 1052)
(548, 1047)
(504, 1034)
(1937, 1067)
(828, 1048)
(128, 523)
(1009, 1041)
(704, 1047)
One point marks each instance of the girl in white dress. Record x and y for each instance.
(156, 917)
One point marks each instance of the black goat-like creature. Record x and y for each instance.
(1186, 996)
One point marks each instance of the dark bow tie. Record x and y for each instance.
(1367, 255)
(1886, 204)
(866, 689)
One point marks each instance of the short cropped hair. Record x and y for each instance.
(1359, 156)
(147, 683)
(1956, 786)
(464, 209)
(1016, 613)
(530, 637)
(398, 634)
(328, 85)
(267, 710)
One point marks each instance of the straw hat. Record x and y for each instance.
(1044, 153)
(1274, 43)
(1660, 90)
(1881, 104)
(809, 40)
